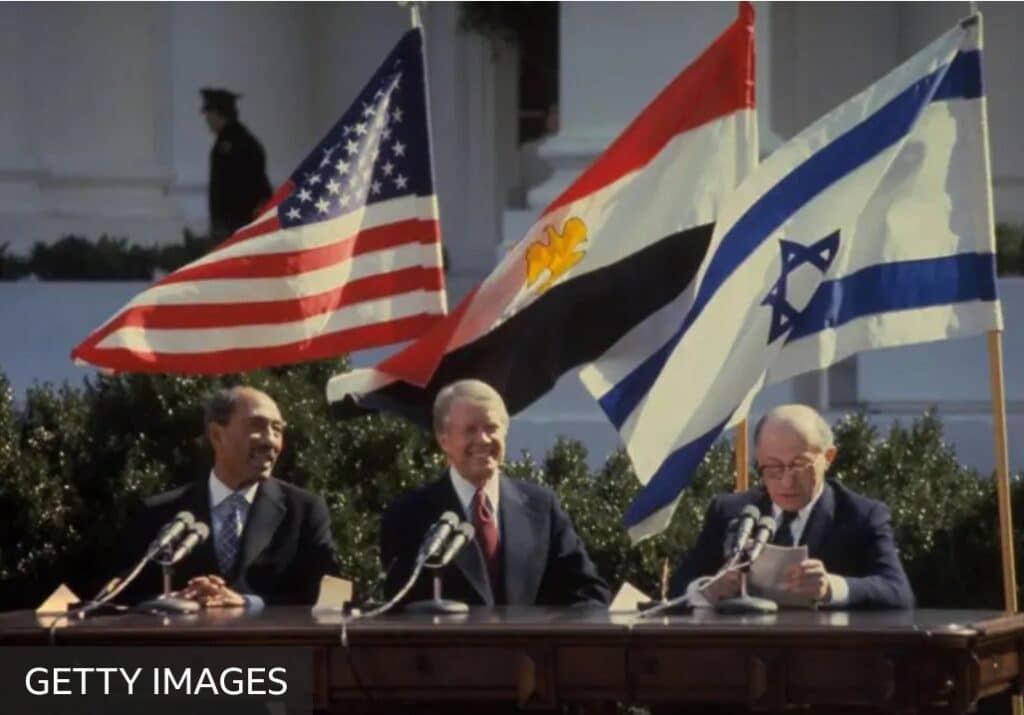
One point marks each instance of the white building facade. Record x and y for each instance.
(100, 133)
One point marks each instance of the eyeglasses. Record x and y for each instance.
(775, 472)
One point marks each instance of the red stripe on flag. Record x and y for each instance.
(244, 359)
(416, 363)
(712, 77)
(256, 312)
(273, 265)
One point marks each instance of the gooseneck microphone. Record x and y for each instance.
(437, 535)
(195, 536)
(462, 536)
(744, 527)
(171, 532)
(763, 533)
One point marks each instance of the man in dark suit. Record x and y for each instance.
(853, 561)
(525, 549)
(238, 174)
(269, 542)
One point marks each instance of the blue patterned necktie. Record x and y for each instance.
(229, 537)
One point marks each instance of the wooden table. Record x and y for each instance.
(541, 657)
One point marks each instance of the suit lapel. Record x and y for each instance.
(265, 515)
(470, 560)
(819, 522)
(204, 559)
(522, 551)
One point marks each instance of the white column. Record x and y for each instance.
(267, 52)
(97, 79)
(19, 165)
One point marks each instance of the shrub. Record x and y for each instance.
(74, 462)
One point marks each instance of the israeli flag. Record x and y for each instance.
(872, 228)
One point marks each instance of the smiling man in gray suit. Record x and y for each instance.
(525, 551)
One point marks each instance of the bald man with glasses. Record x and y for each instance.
(852, 559)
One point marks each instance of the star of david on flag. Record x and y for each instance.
(794, 255)
(896, 181)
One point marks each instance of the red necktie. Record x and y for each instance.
(486, 534)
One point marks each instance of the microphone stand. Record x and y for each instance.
(165, 602)
(745, 603)
(437, 605)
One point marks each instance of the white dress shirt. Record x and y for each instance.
(466, 491)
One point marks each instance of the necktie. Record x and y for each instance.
(784, 534)
(229, 535)
(486, 534)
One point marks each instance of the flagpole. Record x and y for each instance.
(414, 12)
(995, 370)
(995, 360)
(742, 458)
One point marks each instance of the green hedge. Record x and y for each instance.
(75, 258)
(73, 462)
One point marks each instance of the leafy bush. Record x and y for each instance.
(74, 462)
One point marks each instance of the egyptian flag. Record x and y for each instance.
(608, 263)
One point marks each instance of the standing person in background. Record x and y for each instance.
(238, 173)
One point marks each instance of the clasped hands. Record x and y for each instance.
(211, 592)
(807, 578)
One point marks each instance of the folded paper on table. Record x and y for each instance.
(334, 594)
(628, 598)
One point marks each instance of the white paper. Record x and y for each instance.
(628, 598)
(334, 594)
(767, 577)
(58, 601)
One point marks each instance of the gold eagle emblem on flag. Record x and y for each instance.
(557, 255)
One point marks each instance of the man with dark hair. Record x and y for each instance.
(270, 541)
(852, 559)
(238, 175)
(525, 549)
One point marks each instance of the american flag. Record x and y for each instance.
(345, 256)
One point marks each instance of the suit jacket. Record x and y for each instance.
(849, 533)
(286, 545)
(543, 559)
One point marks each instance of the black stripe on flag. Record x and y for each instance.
(573, 323)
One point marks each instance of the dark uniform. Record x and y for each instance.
(238, 175)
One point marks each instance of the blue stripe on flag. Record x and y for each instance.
(907, 285)
(673, 476)
(844, 155)
(963, 81)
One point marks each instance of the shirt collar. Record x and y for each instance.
(466, 491)
(803, 514)
(219, 491)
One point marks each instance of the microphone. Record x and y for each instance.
(744, 525)
(437, 535)
(729, 545)
(171, 532)
(196, 535)
(462, 536)
(763, 533)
